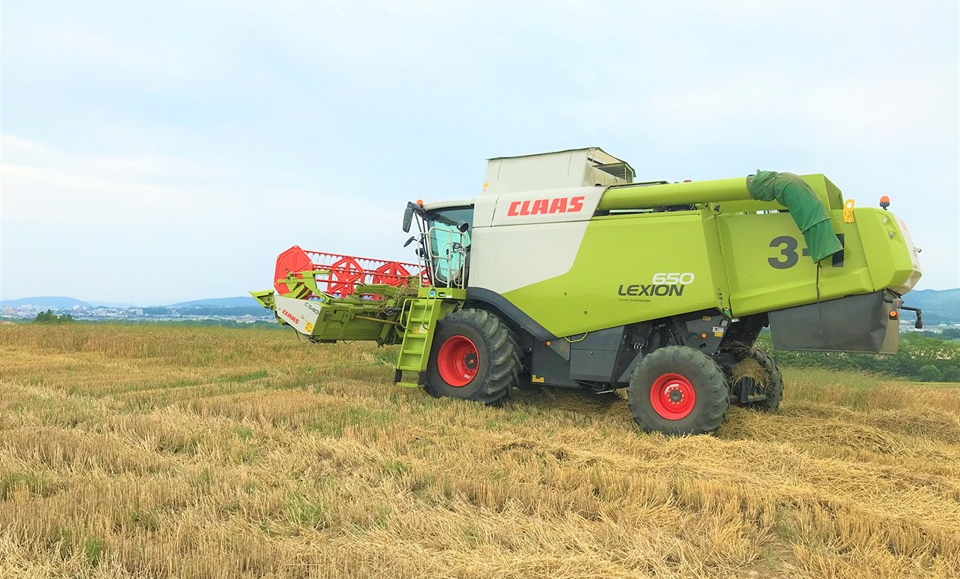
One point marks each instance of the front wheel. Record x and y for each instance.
(678, 390)
(474, 357)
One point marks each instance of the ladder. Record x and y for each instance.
(422, 316)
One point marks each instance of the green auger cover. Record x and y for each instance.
(804, 205)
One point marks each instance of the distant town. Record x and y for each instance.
(213, 311)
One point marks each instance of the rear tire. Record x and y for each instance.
(773, 386)
(677, 390)
(473, 357)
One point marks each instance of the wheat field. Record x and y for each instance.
(141, 451)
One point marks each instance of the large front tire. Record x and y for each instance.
(678, 390)
(473, 357)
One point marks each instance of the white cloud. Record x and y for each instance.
(107, 229)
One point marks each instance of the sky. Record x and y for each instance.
(159, 152)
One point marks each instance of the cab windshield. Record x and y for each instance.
(448, 237)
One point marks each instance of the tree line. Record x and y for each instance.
(920, 357)
(48, 317)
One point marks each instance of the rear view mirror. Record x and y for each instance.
(407, 217)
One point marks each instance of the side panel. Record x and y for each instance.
(595, 356)
(301, 314)
(334, 319)
(536, 236)
(598, 358)
(851, 324)
(628, 269)
(768, 267)
(550, 368)
(503, 259)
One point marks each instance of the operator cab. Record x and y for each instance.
(444, 240)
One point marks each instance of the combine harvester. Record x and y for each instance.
(564, 272)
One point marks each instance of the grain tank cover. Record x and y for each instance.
(557, 170)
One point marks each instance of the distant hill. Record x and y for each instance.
(939, 306)
(63, 303)
(53, 302)
(237, 302)
(113, 304)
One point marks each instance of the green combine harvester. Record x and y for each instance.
(565, 272)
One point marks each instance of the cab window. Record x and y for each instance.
(448, 245)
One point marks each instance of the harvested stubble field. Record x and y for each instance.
(208, 453)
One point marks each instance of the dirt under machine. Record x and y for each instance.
(566, 272)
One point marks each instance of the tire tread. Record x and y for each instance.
(710, 383)
(503, 355)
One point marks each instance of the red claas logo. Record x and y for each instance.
(545, 206)
(290, 316)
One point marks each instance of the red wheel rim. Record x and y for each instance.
(458, 361)
(672, 396)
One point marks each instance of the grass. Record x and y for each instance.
(220, 453)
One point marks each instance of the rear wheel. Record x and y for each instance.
(473, 357)
(757, 372)
(678, 390)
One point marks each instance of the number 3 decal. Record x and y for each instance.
(789, 256)
(788, 253)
